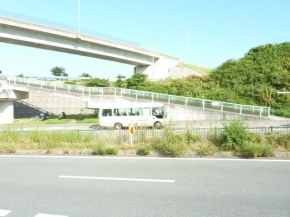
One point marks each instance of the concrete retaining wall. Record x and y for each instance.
(41, 100)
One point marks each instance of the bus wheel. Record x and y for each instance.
(158, 125)
(118, 126)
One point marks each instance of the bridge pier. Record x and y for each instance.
(159, 70)
(8, 94)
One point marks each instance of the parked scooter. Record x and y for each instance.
(44, 116)
(62, 116)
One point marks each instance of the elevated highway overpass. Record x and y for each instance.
(20, 32)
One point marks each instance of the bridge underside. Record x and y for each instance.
(24, 33)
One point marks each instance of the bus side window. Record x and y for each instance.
(107, 112)
(122, 112)
(146, 111)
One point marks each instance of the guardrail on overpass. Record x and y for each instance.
(240, 109)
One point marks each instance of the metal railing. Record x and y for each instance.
(142, 135)
(240, 109)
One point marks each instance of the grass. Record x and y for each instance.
(199, 69)
(146, 142)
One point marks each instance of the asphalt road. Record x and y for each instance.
(274, 121)
(75, 186)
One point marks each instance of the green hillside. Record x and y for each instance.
(254, 79)
(258, 76)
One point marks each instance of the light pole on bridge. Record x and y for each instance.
(186, 44)
(153, 62)
(79, 19)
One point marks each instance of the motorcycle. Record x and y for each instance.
(62, 116)
(44, 116)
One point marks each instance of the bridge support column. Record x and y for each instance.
(8, 94)
(6, 112)
(159, 70)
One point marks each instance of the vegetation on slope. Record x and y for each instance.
(254, 79)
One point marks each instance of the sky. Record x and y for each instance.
(201, 32)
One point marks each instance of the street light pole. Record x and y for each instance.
(186, 45)
(79, 18)
(153, 63)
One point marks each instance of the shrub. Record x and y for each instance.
(255, 137)
(191, 138)
(252, 150)
(270, 138)
(103, 150)
(207, 150)
(112, 150)
(283, 140)
(144, 150)
(235, 135)
(214, 137)
(172, 149)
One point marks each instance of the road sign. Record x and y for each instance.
(132, 130)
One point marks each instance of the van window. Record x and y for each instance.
(107, 112)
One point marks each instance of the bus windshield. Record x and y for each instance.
(158, 112)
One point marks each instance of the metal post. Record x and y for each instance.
(79, 19)
(186, 45)
(153, 62)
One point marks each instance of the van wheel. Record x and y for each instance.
(118, 126)
(158, 125)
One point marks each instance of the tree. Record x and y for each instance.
(21, 75)
(120, 82)
(97, 82)
(58, 71)
(86, 75)
(137, 81)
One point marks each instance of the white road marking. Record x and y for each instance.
(48, 215)
(117, 179)
(4, 212)
(148, 158)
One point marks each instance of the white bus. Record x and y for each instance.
(119, 115)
